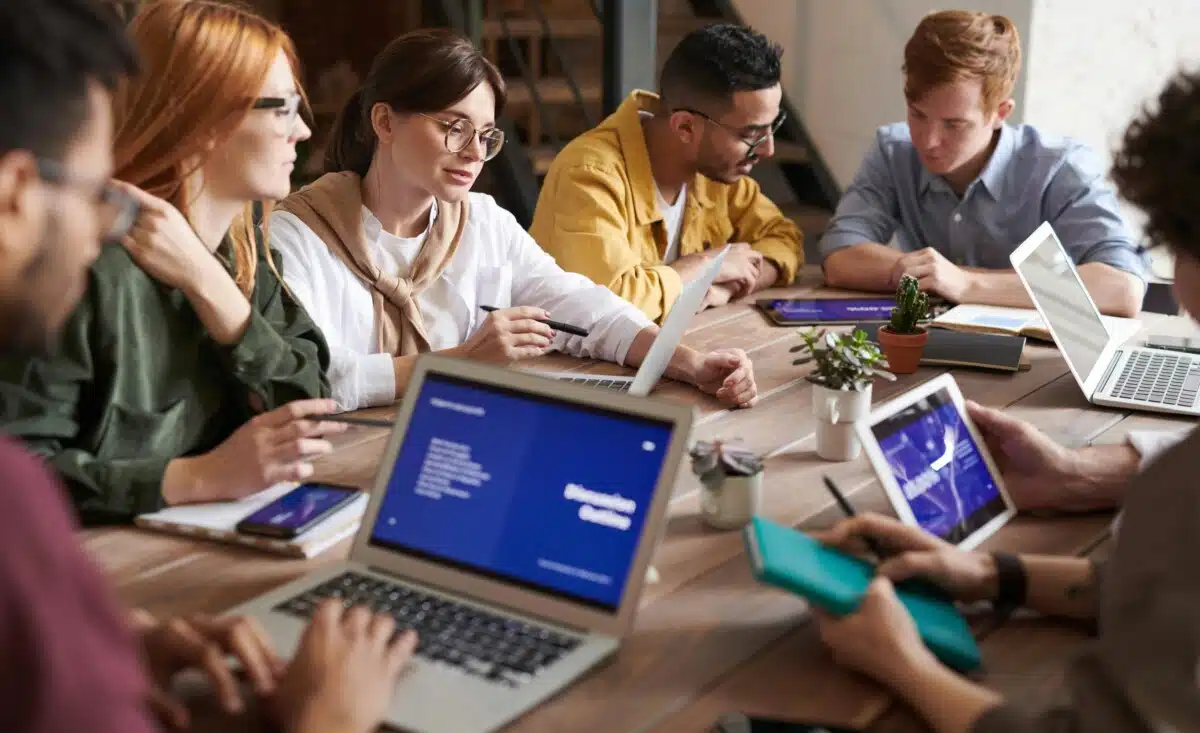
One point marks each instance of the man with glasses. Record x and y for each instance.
(639, 203)
(946, 196)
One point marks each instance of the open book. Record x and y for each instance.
(1019, 322)
(218, 521)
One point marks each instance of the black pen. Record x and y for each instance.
(564, 327)
(848, 510)
(365, 422)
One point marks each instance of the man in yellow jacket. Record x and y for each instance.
(639, 203)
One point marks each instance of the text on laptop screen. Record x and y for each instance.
(939, 469)
(540, 492)
(834, 310)
(1078, 329)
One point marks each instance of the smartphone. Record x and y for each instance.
(297, 511)
(741, 723)
(1174, 343)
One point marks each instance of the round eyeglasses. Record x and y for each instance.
(460, 134)
(286, 108)
(116, 210)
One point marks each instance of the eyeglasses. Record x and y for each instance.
(751, 143)
(461, 133)
(286, 108)
(116, 210)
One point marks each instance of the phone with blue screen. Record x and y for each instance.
(741, 723)
(298, 511)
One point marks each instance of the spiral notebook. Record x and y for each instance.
(218, 521)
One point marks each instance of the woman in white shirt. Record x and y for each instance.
(393, 256)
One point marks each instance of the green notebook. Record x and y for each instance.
(835, 582)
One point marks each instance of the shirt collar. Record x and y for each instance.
(372, 227)
(628, 122)
(992, 175)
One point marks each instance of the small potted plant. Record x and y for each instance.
(902, 338)
(846, 365)
(731, 479)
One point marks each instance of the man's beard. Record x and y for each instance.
(25, 331)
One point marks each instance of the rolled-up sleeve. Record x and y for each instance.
(869, 209)
(1086, 215)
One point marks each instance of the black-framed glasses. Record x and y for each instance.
(286, 108)
(117, 210)
(461, 133)
(752, 143)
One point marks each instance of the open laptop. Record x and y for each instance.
(668, 338)
(1109, 372)
(511, 524)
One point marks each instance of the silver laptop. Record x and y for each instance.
(1110, 372)
(511, 525)
(668, 338)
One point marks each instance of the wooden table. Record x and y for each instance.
(708, 638)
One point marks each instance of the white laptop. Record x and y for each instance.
(511, 525)
(1109, 372)
(668, 338)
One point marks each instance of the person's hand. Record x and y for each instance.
(508, 335)
(275, 446)
(914, 553)
(163, 243)
(728, 375)
(879, 640)
(934, 274)
(1036, 470)
(740, 269)
(716, 296)
(344, 672)
(203, 642)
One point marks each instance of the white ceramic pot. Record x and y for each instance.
(731, 504)
(836, 411)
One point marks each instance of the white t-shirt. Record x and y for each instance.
(497, 263)
(673, 221)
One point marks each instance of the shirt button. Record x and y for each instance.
(958, 217)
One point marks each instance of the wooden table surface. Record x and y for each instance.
(708, 638)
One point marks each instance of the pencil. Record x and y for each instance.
(556, 325)
(848, 510)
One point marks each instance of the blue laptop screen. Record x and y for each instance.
(544, 493)
(939, 469)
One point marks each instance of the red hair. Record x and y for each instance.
(957, 45)
(203, 65)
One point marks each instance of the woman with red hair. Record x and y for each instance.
(187, 371)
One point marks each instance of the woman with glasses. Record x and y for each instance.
(393, 256)
(184, 374)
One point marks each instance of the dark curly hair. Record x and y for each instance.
(1158, 166)
(713, 62)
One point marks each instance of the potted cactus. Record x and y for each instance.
(902, 339)
(731, 483)
(846, 365)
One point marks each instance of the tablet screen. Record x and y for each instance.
(939, 469)
(833, 311)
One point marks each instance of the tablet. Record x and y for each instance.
(934, 465)
(801, 312)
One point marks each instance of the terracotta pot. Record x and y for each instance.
(903, 350)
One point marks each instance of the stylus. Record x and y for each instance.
(556, 325)
(848, 510)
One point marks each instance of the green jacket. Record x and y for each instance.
(136, 382)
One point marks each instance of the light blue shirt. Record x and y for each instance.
(1029, 179)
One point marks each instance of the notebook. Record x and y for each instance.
(998, 352)
(217, 521)
(1018, 322)
(835, 582)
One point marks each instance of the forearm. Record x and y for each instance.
(1097, 475)
(219, 303)
(867, 266)
(768, 276)
(684, 364)
(1116, 292)
(402, 367)
(1061, 586)
(948, 702)
(996, 287)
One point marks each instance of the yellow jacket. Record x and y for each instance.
(598, 215)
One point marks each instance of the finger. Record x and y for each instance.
(327, 617)
(308, 429)
(519, 312)
(742, 394)
(304, 449)
(381, 628)
(148, 201)
(249, 643)
(892, 533)
(356, 620)
(530, 326)
(537, 340)
(199, 652)
(737, 376)
(994, 421)
(401, 651)
(295, 410)
(282, 472)
(913, 565)
(528, 352)
(919, 270)
(167, 709)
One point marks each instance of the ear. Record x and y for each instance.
(1004, 110)
(381, 121)
(685, 125)
(22, 205)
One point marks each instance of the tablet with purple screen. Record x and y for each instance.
(793, 311)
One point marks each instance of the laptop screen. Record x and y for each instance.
(1055, 285)
(939, 468)
(536, 491)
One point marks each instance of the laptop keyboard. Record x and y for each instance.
(499, 649)
(1159, 378)
(604, 382)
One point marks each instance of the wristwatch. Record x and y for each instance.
(1012, 584)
